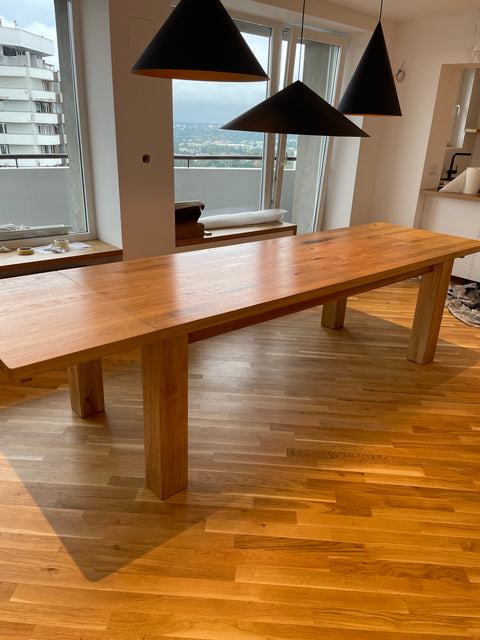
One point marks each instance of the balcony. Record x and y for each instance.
(13, 61)
(48, 138)
(14, 94)
(41, 73)
(227, 189)
(36, 193)
(30, 161)
(22, 139)
(9, 71)
(24, 40)
(46, 118)
(44, 96)
(21, 117)
(35, 63)
(29, 140)
(36, 196)
(18, 65)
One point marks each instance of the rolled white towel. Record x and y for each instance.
(472, 180)
(242, 219)
(456, 185)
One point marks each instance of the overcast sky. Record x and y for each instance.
(35, 16)
(220, 102)
(193, 101)
(26, 12)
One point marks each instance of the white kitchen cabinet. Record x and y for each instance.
(455, 215)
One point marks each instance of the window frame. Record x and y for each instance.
(72, 11)
(82, 119)
(272, 172)
(325, 37)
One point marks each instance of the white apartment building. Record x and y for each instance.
(31, 119)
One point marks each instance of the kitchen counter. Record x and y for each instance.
(450, 194)
(455, 214)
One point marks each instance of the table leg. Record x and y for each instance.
(86, 388)
(429, 312)
(333, 313)
(165, 406)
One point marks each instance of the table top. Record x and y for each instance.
(186, 291)
(49, 321)
(78, 314)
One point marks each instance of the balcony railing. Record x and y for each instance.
(178, 156)
(192, 158)
(33, 156)
(21, 61)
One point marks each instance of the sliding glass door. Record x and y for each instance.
(223, 169)
(235, 171)
(299, 174)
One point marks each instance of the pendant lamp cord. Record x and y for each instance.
(301, 40)
(381, 9)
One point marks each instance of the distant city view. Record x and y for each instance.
(200, 139)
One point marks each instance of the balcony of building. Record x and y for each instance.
(48, 139)
(46, 72)
(46, 118)
(34, 192)
(231, 189)
(20, 139)
(24, 61)
(43, 96)
(28, 117)
(17, 117)
(9, 93)
(19, 40)
(41, 73)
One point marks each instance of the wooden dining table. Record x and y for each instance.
(72, 318)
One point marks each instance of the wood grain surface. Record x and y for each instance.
(220, 287)
(49, 321)
(78, 315)
(165, 401)
(334, 492)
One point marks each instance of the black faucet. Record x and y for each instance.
(453, 171)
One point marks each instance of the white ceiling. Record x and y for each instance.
(401, 10)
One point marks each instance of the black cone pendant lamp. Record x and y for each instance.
(199, 41)
(296, 109)
(371, 91)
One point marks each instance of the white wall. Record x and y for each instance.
(388, 165)
(390, 193)
(343, 168)
(143, 120)
(128, 116)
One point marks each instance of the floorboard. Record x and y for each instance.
(334, 492)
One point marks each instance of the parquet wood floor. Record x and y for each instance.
(334, 492)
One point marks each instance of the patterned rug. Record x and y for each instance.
(463, 301)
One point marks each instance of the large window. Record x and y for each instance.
(202, 149)
(41, 177)
(298, 185)
(233, 171)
